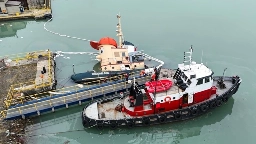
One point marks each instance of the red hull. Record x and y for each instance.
(159, 86)
(169, 106)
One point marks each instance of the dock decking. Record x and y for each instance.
(21, 75)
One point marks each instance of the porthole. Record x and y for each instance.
(101, 50)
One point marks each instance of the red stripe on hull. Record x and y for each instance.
(204, 95)
(169, 106)
(139, 113)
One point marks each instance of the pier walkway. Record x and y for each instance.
(52, 103)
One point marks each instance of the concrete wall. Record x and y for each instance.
(32, 4)
(2, 4)
(13, 9)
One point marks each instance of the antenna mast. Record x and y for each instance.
(119, 31)
(190, 56)
(202, 57)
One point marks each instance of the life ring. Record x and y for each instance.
(194, 111)
(146, 121)
(203, 108)
(162, 118)
(218, 103)
(213, 105)
(167, 99)
(113, 125)
(130, 123)
(177, 116)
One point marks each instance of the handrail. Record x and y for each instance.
(73, 88)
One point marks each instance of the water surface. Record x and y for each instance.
(223, 30)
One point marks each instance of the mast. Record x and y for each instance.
(119, 31)
(190, 56)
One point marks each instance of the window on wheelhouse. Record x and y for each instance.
(189, 82)
(185, 77)
(207, 79)
(199, 81)
(192, 76)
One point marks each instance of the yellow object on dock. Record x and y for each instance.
(17, 13)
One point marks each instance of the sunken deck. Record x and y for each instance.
(106, 111)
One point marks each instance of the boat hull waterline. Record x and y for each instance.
(164, 117)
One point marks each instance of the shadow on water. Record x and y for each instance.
(171, 132)
(10, 28)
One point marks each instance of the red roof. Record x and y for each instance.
(107, 41)
(103, 41)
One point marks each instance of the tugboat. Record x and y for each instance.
(171, 95)
(114, 59)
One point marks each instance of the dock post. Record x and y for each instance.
(80, 102)
(52, 109)
(66, 105)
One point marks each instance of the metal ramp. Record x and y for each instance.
(52, 103)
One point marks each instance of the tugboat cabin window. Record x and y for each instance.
(189, 82)
(123, 54)
(192, 76)
(200, 81)
(207, 79)
(185, 77)
(116, 54)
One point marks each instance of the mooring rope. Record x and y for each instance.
(63, 35)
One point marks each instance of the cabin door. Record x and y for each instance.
(185, 98)
(190, 98)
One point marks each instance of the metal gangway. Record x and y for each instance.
(75, 96)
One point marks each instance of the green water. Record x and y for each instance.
(223, 29)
